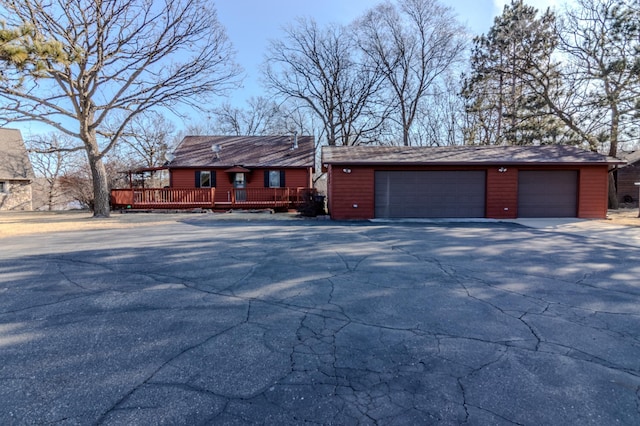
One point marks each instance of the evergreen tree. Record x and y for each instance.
(500, 92)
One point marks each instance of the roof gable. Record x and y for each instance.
(463, 155)
(14, 160)
(246, 151)
(631, 157)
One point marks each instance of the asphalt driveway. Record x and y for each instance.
(207, 322)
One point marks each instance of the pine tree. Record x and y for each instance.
(505, 65)
(23, 48)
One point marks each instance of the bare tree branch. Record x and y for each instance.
(414, 43)
(321, 68)
(121, 59)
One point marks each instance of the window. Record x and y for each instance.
(205, 179)
(274, 179)
(3, 187)
(239, 181)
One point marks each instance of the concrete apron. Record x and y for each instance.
(598, 229)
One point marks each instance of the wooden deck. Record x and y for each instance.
(189, 198)
(162, 198)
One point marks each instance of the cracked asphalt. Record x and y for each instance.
(258, 322)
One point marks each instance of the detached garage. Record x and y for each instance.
(465, 182)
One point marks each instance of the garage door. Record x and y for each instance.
(547, 193)
(415, 194)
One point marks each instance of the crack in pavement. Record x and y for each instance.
(384, 332)
(114, 407)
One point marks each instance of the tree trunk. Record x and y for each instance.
(613, 152)
(100, 181)
(100, 188)
(613, 193)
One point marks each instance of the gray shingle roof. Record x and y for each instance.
(245, 151)
(14, 160)
(462, 155)
(630, 157)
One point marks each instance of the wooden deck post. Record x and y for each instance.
(638, 185)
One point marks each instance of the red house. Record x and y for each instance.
(507, 182)
(222, 172)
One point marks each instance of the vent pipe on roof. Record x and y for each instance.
(216, 150)
(295, 140)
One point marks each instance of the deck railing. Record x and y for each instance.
(184, 198)
(267, 197)
(161, 198)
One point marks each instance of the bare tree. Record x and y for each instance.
(604, 54)
(51, 160)
(321, 68)
(148, 138)
(146, 142)
(295, 116)
(602, 39)
(121, 58)
(76, 182)
(414, 42)
(440, 120)
(261, 117)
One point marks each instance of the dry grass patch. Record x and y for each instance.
(626, 217)
(26, 223)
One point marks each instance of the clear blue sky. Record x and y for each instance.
(251, 23)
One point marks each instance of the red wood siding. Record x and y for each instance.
(357, 188)
(502, 193)
(182, 178)
(295, 178)
(351, 194)
(224, 185)
(186, 178)
(593, 189)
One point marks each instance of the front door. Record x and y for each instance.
(239, 183)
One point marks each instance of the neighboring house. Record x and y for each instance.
(16, 173)
(627, 175)
(232, 172)
(367, 182)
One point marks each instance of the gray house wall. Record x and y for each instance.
(16, 172)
